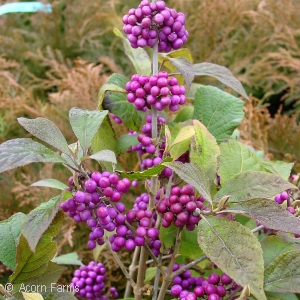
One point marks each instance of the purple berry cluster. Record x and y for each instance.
(93, 204)
(89, 281)
(141, 219)
(159, 91)
(179, 208)
(153, 21)
(215, 287)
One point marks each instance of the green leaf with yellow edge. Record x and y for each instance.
(235, 158)
(150, 172)
(268, 213)
(282, 275)
(10, 231)
(204, 150)
(250, 185)
(139, 57)
(194, 175)
(235, 250)
(32, 265)
(181, 136)
(219, 111)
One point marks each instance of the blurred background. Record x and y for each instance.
(52, 62)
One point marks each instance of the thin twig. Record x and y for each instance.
(258, 228)
(132, 269)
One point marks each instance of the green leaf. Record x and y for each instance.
(44, 284)
(283, 274)
(167, 235)
(61, 294)
(185, 114)
(46, 131)
(19, 152)
(268, 213)
(104, 155)
(220, 112)
(189, 247)
(150, 274)
(205, 151)
(31, 265)
(278, 167)
(116, 102)
(235, 158)
(180, 138)
(275, 245)
(194, 175)
(150, 172)
(235, 250)
(184, 66)
(68, 259)
(139, 57)
(250, 185)
(10, 231)
(52, 183)
(105, 140)
(281, 296)
(126, 141)
(222, 74)
(85, 124)
(38, 220)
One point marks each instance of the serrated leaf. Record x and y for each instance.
(104, 155)
(46, 131)
(85, 124)
(38, 220)
(32, 296)
(235, 250)
(222, 74)
(184, 66)
(10, 231)
(139, 57)
(283, 274)
(52, 183)
(31, 265)
(250, 185)
(275, 245)
(150, 172)
(205, 151)
(194, 175)
(68, 259)
(268, 213)
(189, 247)
(185, 114)
(220, 112)
(117, 104)
(126, 141)
(235, 158)
(278, 167)
(19, 152)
